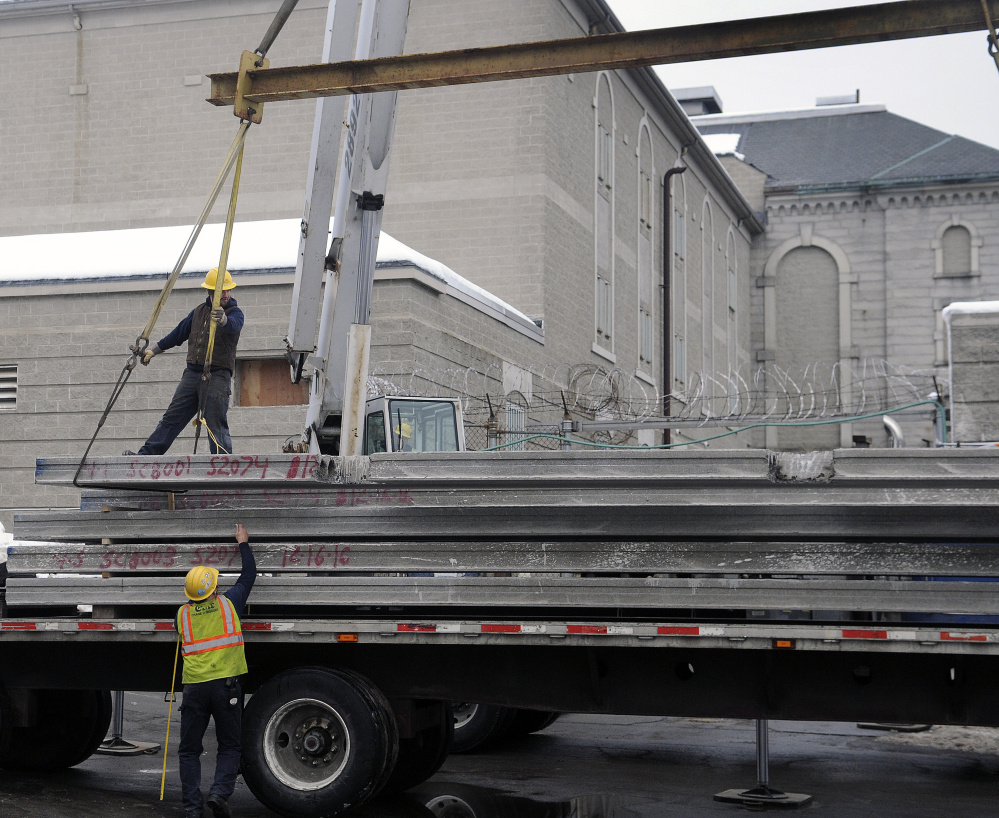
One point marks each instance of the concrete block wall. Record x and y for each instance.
(141, 147)
(975, 359)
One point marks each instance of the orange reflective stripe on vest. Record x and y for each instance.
(231, 636)
(212, 643)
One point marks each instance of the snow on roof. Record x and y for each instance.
(151, 252)
(743, 117)
(969, 308)
(723, 144)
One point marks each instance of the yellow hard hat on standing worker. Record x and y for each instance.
(200, 583)
(212, 277)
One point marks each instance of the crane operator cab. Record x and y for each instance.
(401, 424)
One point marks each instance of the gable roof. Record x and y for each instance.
(851, 146)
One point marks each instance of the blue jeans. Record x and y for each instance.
(203, 701)
(184, 406)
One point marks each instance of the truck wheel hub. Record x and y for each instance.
(306, 744)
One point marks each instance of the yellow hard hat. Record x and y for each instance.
(407, 430)
(201, 582)
(227, 282)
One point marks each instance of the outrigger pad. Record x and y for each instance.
(764, 798)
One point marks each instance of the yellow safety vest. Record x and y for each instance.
(212, 641)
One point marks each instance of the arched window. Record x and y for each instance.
(808, 332)
(956, 244)
(603, 108)
(956, 247)
(646, 243)
(516, 421)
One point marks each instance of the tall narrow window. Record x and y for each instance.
(956, 242)
(646, 230)
(8, 386)
(605, 147)
(603, 105)
(709, 298)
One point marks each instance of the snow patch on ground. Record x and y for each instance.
(949, 737)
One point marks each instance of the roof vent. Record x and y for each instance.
(845, 99)
(698, 101)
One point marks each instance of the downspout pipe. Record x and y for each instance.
(667, 280)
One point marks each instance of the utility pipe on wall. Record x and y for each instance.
(667, 267)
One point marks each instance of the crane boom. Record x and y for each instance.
(338, 393)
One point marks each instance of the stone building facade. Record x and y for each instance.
(874, 224)
(548, 193)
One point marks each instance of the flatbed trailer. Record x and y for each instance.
(851, 585)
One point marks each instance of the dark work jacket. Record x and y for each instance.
(194, 330)
(239, 592)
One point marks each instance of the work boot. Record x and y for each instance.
(217, 804)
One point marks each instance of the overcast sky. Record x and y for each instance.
(949, 83)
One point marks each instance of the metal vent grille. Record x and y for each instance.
(8, 386)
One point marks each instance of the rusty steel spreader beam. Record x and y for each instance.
(708, 41)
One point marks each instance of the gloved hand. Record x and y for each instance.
(147, 356)
(219, 316)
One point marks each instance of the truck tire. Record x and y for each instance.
(477, 725)
(385, 717)
(70, 726)
(317, 742)
(423, 754)
(526, 722)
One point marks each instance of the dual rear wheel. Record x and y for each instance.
(478, 726)
(45, 730)
(317, 742)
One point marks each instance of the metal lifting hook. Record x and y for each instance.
(993, 38)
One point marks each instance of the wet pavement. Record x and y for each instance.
(588, 767)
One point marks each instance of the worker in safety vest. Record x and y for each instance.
(185, 403)
(212, 644)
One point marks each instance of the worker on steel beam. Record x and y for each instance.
(212, 644)
(193, 392)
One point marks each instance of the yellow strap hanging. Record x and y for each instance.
(217, 297)
(224, 258)
(166, 744)
(142, 341)
(235, 153)
(198, 422)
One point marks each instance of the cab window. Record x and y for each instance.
(374, 434)
(423, 426)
